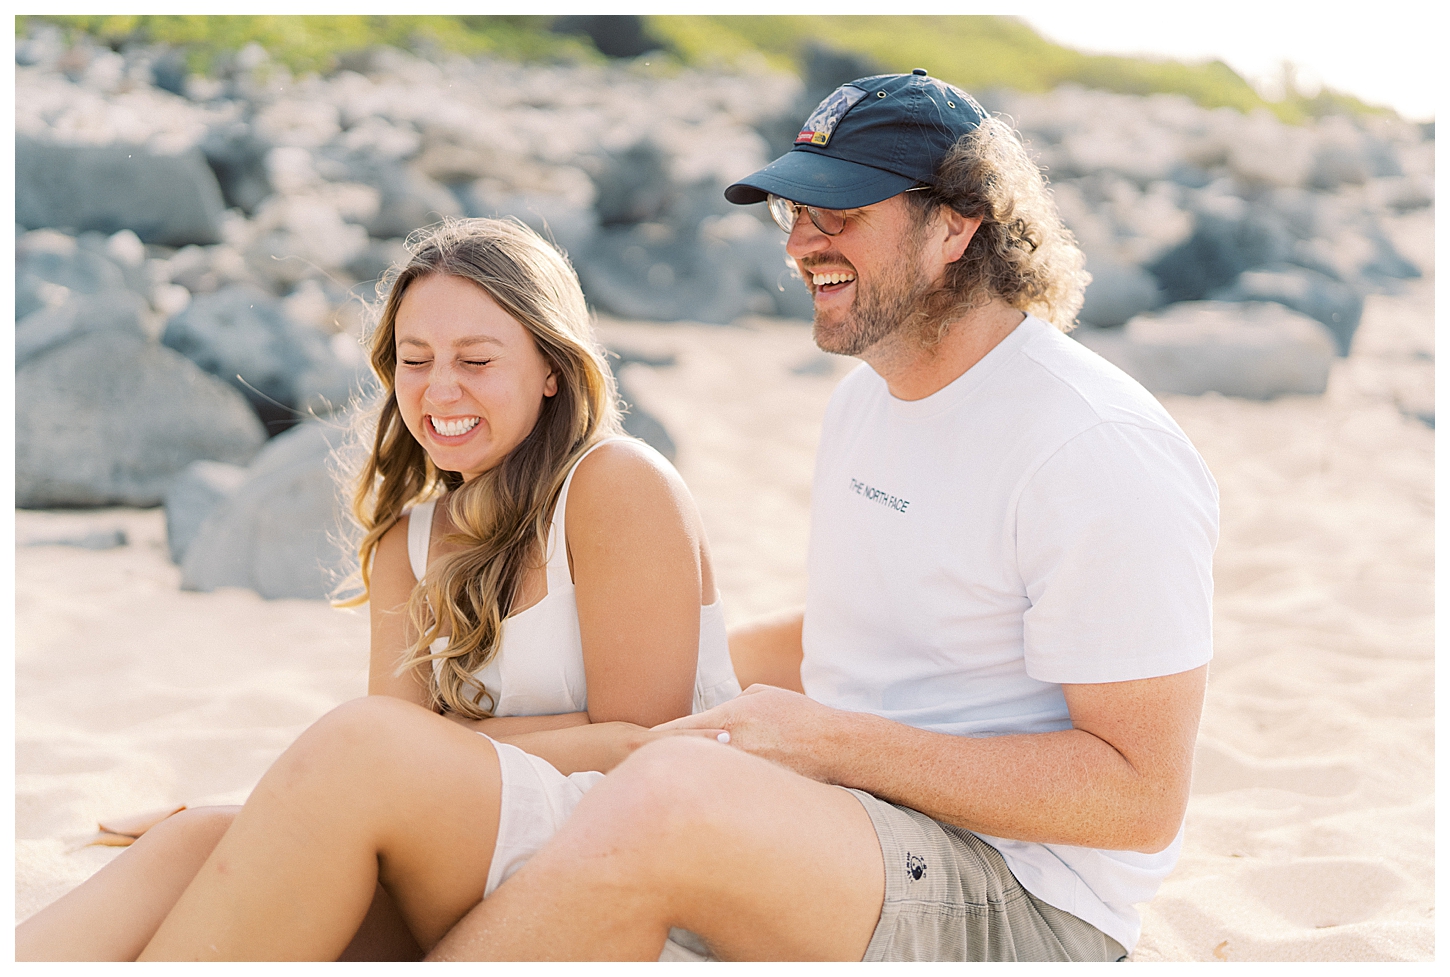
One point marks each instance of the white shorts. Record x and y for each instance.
(535, 800)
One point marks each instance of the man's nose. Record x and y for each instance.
(805, 238)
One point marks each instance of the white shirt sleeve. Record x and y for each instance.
(1115, 537)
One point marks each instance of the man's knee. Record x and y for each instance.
(676, 767)
(671, 789)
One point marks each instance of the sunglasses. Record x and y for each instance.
(828, 222)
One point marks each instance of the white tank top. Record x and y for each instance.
(539, 668)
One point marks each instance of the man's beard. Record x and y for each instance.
(881, 309)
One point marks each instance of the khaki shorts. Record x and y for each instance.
(950, 896)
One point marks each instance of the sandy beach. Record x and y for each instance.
(1311, 826)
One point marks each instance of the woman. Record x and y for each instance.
(550, 587)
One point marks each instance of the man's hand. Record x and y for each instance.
(1118, 779)
(785, 727)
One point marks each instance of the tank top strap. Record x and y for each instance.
(420, 528)
(557, 570)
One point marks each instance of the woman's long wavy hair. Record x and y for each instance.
(501, 518)
(1022, 252)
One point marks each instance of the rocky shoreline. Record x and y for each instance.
(196, 258)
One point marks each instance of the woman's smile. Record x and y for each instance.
(452, 427)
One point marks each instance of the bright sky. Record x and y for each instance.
(1385, 52)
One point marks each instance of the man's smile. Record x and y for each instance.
(827, 275)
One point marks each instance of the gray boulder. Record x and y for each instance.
(1257, 350)
(204, 269)
(1313, 293)
(111, 419)
(297, 237)
(1117, 293)
(637, 421)
(1223, 244)
(124, 250)
(1347, 155)
(757, 250)
(96, 539)
(410, 200)
(242, 335)
(641, 424)
(1263, 152)
(684, 263)
(279, 532)
(53, 325)
(567, 223)
(1404, 193)
(632, 186)
(1387, 262)
(192, 496)
(375, 260)
(166, 198)
(654, 271)
(50, 267)
(238, 157)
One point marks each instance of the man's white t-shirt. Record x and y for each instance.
(1040, 520)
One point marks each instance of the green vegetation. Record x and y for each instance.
(975, 52)
(979, 53)
(318, 43)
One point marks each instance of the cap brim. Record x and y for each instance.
(818, 180)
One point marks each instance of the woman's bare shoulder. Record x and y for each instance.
(625, 469)
(390, 559)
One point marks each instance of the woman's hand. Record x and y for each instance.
(500, 726)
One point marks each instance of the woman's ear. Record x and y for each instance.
(551, 384)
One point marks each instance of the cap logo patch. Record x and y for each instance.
(823, 121)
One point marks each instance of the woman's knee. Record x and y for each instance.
(369, 716)
(196, 828)
(211, 819)
(378, 748)
(362, 730)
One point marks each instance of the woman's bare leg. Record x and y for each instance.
(113, 914)
(383, 935)
(379, 790)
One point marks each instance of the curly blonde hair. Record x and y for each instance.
(502, 516)
(1022, 252)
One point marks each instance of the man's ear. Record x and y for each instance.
(958, 233)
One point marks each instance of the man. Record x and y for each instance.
(976, 740)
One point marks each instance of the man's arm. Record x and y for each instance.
(1118, 779)
(767, 650)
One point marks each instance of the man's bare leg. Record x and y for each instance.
(378, 790)
(760, 862)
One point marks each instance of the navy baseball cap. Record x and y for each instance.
(870, 139)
